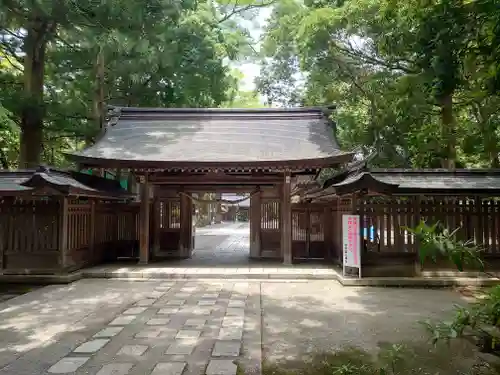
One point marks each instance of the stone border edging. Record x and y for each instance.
(447, 281)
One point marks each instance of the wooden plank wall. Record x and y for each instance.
(30, 230)
(78, 227)
(31, 233)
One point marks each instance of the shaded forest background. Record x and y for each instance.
(417, 80)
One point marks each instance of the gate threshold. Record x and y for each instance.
(216, 272)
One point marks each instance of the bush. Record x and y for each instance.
(480, 321)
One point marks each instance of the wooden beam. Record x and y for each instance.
(237, 188)
(214, 178)
(286, 220)
(144, 222)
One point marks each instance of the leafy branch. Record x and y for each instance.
(236, 9)
(480, 321)
(435, 240)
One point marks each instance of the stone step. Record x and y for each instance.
(213, 273)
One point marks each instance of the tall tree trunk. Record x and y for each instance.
(4, 162)
(99, 109)
(35, 45)
(449, 154)
(494, 162)
(488, 134)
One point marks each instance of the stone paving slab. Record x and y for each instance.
(115, 369)
(169, 368)
(221, 367)
(67, 364)
(91, 346)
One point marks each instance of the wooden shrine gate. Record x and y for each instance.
(172, 229)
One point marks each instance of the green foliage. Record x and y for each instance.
(481, 320)
(238, 98)
(411, 80)
(392, 359)
(121, 52)
(9, 137)
(436, 241)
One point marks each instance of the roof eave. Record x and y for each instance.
(166, 164)
(365, 182)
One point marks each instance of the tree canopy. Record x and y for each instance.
(417, 80)
(63, 62)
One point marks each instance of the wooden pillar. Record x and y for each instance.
(286, 220)
(118, 174)
(327, 233)
(92, 248)
(418, 216)
(218, 209)
(156, 224)
(307, 212)
(338, 233)
(144, 222)
(255, 227)
(186, 235)
(63, 232)
(131, 182)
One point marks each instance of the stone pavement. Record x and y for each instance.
(226, 243)
(112, 327)
(148, 328)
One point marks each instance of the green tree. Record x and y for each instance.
(414, 80)
(75, 57)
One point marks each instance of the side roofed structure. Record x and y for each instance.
(45, 181)
(358, 178)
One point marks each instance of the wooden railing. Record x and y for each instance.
(384, 220)
(50, 235)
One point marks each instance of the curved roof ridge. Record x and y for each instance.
(221, 110)
(160, 138)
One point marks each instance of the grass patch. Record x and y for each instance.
(401, 359)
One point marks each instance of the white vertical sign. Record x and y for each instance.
(351, 242)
